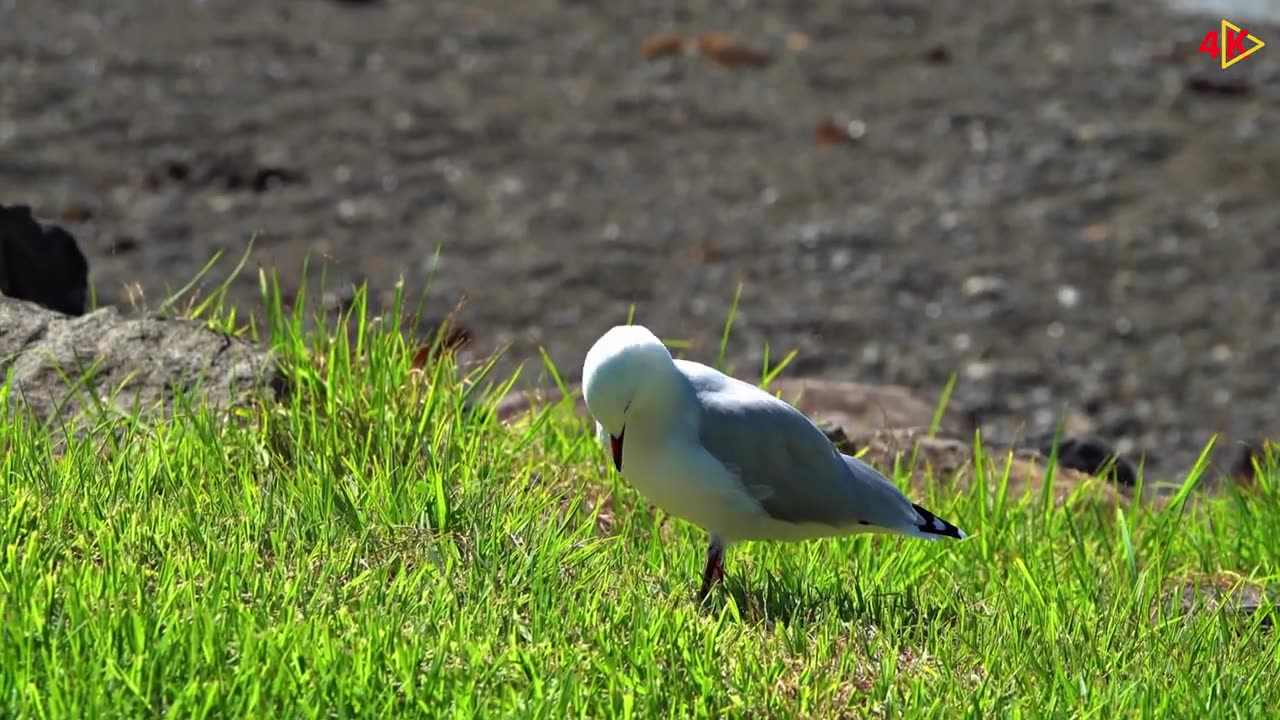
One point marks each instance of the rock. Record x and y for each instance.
(857, 406)
(237, 170)
(830, 402)
(951, 462)
(1092, 456)
(136, 364)
(41, 263)
(890, 427)
(1225, 591)
(1217, 85)
(1262, 453)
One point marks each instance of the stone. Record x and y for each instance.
(860, 406)
(951, 463)
(1092, 456)
(1258, 453)
(1225, 592)
(41, 263)
(832, 402)
(137, 365)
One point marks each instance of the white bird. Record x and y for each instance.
(731, 458)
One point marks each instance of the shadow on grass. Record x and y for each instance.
(790, 601)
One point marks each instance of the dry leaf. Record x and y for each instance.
(77, 212)
(662, 45)
(798, 42)
(722, 49)
(831, 132)
(1097, 232)
(454, 339)
(706, 253)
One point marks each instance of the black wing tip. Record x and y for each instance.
(934, 525)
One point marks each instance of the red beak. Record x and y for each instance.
(615, 444)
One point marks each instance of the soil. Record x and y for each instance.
(1062, 201)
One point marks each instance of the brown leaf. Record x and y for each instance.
(662, 45)
(1097, 232)
(722, 49)
(798, 42)
(77, 212)
(455, 338)
(831, 133)
(706, 253)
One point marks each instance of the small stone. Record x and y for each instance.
(984, 285)
(979, 370)
(221, 203)
(347, 210)
(1068, 296)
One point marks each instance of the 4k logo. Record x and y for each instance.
(1228, 44)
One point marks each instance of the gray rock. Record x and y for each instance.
(1223, 592)
(139, 365)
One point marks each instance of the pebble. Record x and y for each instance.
(1068, 296)
(984, 286)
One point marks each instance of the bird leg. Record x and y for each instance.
(714, 571)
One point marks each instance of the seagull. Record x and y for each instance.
(731, 458)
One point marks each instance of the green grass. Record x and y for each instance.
(378, 545)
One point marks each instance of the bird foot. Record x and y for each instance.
(714, 571)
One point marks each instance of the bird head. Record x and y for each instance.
(618, 368)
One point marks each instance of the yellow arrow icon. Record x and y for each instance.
(1222, 44)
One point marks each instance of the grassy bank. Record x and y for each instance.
(378, 545)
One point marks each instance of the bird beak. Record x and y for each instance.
(615, 444)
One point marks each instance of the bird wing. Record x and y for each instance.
(786, 462)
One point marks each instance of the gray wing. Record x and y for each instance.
(787, 462)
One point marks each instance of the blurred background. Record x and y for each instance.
(1063, 202)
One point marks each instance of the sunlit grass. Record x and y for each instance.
(379, 545)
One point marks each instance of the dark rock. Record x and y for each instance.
(1094, 457)
(1218, 85)
(137, 365)
(937, 55)
(231, 171)
(1260, 453)
(1222, 592)
(41, 263)
(123, 244)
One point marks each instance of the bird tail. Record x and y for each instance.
(931, 525)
